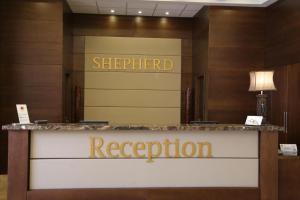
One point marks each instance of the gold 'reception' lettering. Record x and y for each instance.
(149, 150)
(136, 147)
(133, 64)
(95, 147)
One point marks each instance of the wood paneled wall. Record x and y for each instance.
(282, 33)
(3, 45)
(282, 54)
(235, 47)
(67, 90)
(200, 61)
(288, 178)
(126, 26)
(30, 62)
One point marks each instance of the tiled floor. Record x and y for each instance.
(3, 187)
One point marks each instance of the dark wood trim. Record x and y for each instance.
(268, 166)
(18, 146)
(147, 194)
(289, 181)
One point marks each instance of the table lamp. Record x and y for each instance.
(261, 81)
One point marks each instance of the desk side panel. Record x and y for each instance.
(18, 159)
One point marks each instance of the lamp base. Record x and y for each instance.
(261, 107)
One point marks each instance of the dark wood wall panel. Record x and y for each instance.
(282, 35)
(289, 182)
(279, 100)
(228, 43)
(31, 62)
(293, 116)
(36, 53)
(45, 10)
(3, 43)
(200, 61)
(43, 29)
(67, 91)
(282, 54)
(236, 46)
(125, 26)
(45, 75)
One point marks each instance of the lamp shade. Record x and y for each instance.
(261, 81)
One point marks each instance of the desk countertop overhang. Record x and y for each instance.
(97, 127)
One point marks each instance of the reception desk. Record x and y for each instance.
(73, 161)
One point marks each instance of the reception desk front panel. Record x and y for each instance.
(143, 159)
(75, 162)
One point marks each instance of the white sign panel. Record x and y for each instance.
(254, 120)
(135, 159)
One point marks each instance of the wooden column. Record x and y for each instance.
(268, 166)
(18, 165)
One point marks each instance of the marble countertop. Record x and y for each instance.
(99, 127)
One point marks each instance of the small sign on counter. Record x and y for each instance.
(254, 120)
(289, 149)
(23, 114)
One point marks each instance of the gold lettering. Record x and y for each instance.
(112, 146)
(147, 63)
(132, 63)
(150, 154)
(201, 146)
(118, 63)
(156, 63)
(122, 149)
(136, 149)
(177, 152)
(127, 63)
(184, 149)
(106, 63)
(96, 148)
(97, 63)
(149, 149)
(167, 148)
(168, 65)
(138, 62)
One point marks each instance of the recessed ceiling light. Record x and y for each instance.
(140, 12)
(112, 11)
(167, 13)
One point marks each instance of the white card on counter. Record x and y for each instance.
(254, 120)
(23, 114)
(289, 149)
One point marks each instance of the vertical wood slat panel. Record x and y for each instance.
(268, 166)
(18, 164)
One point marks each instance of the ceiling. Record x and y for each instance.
(158, 8)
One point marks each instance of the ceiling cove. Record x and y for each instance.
(158, 8)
